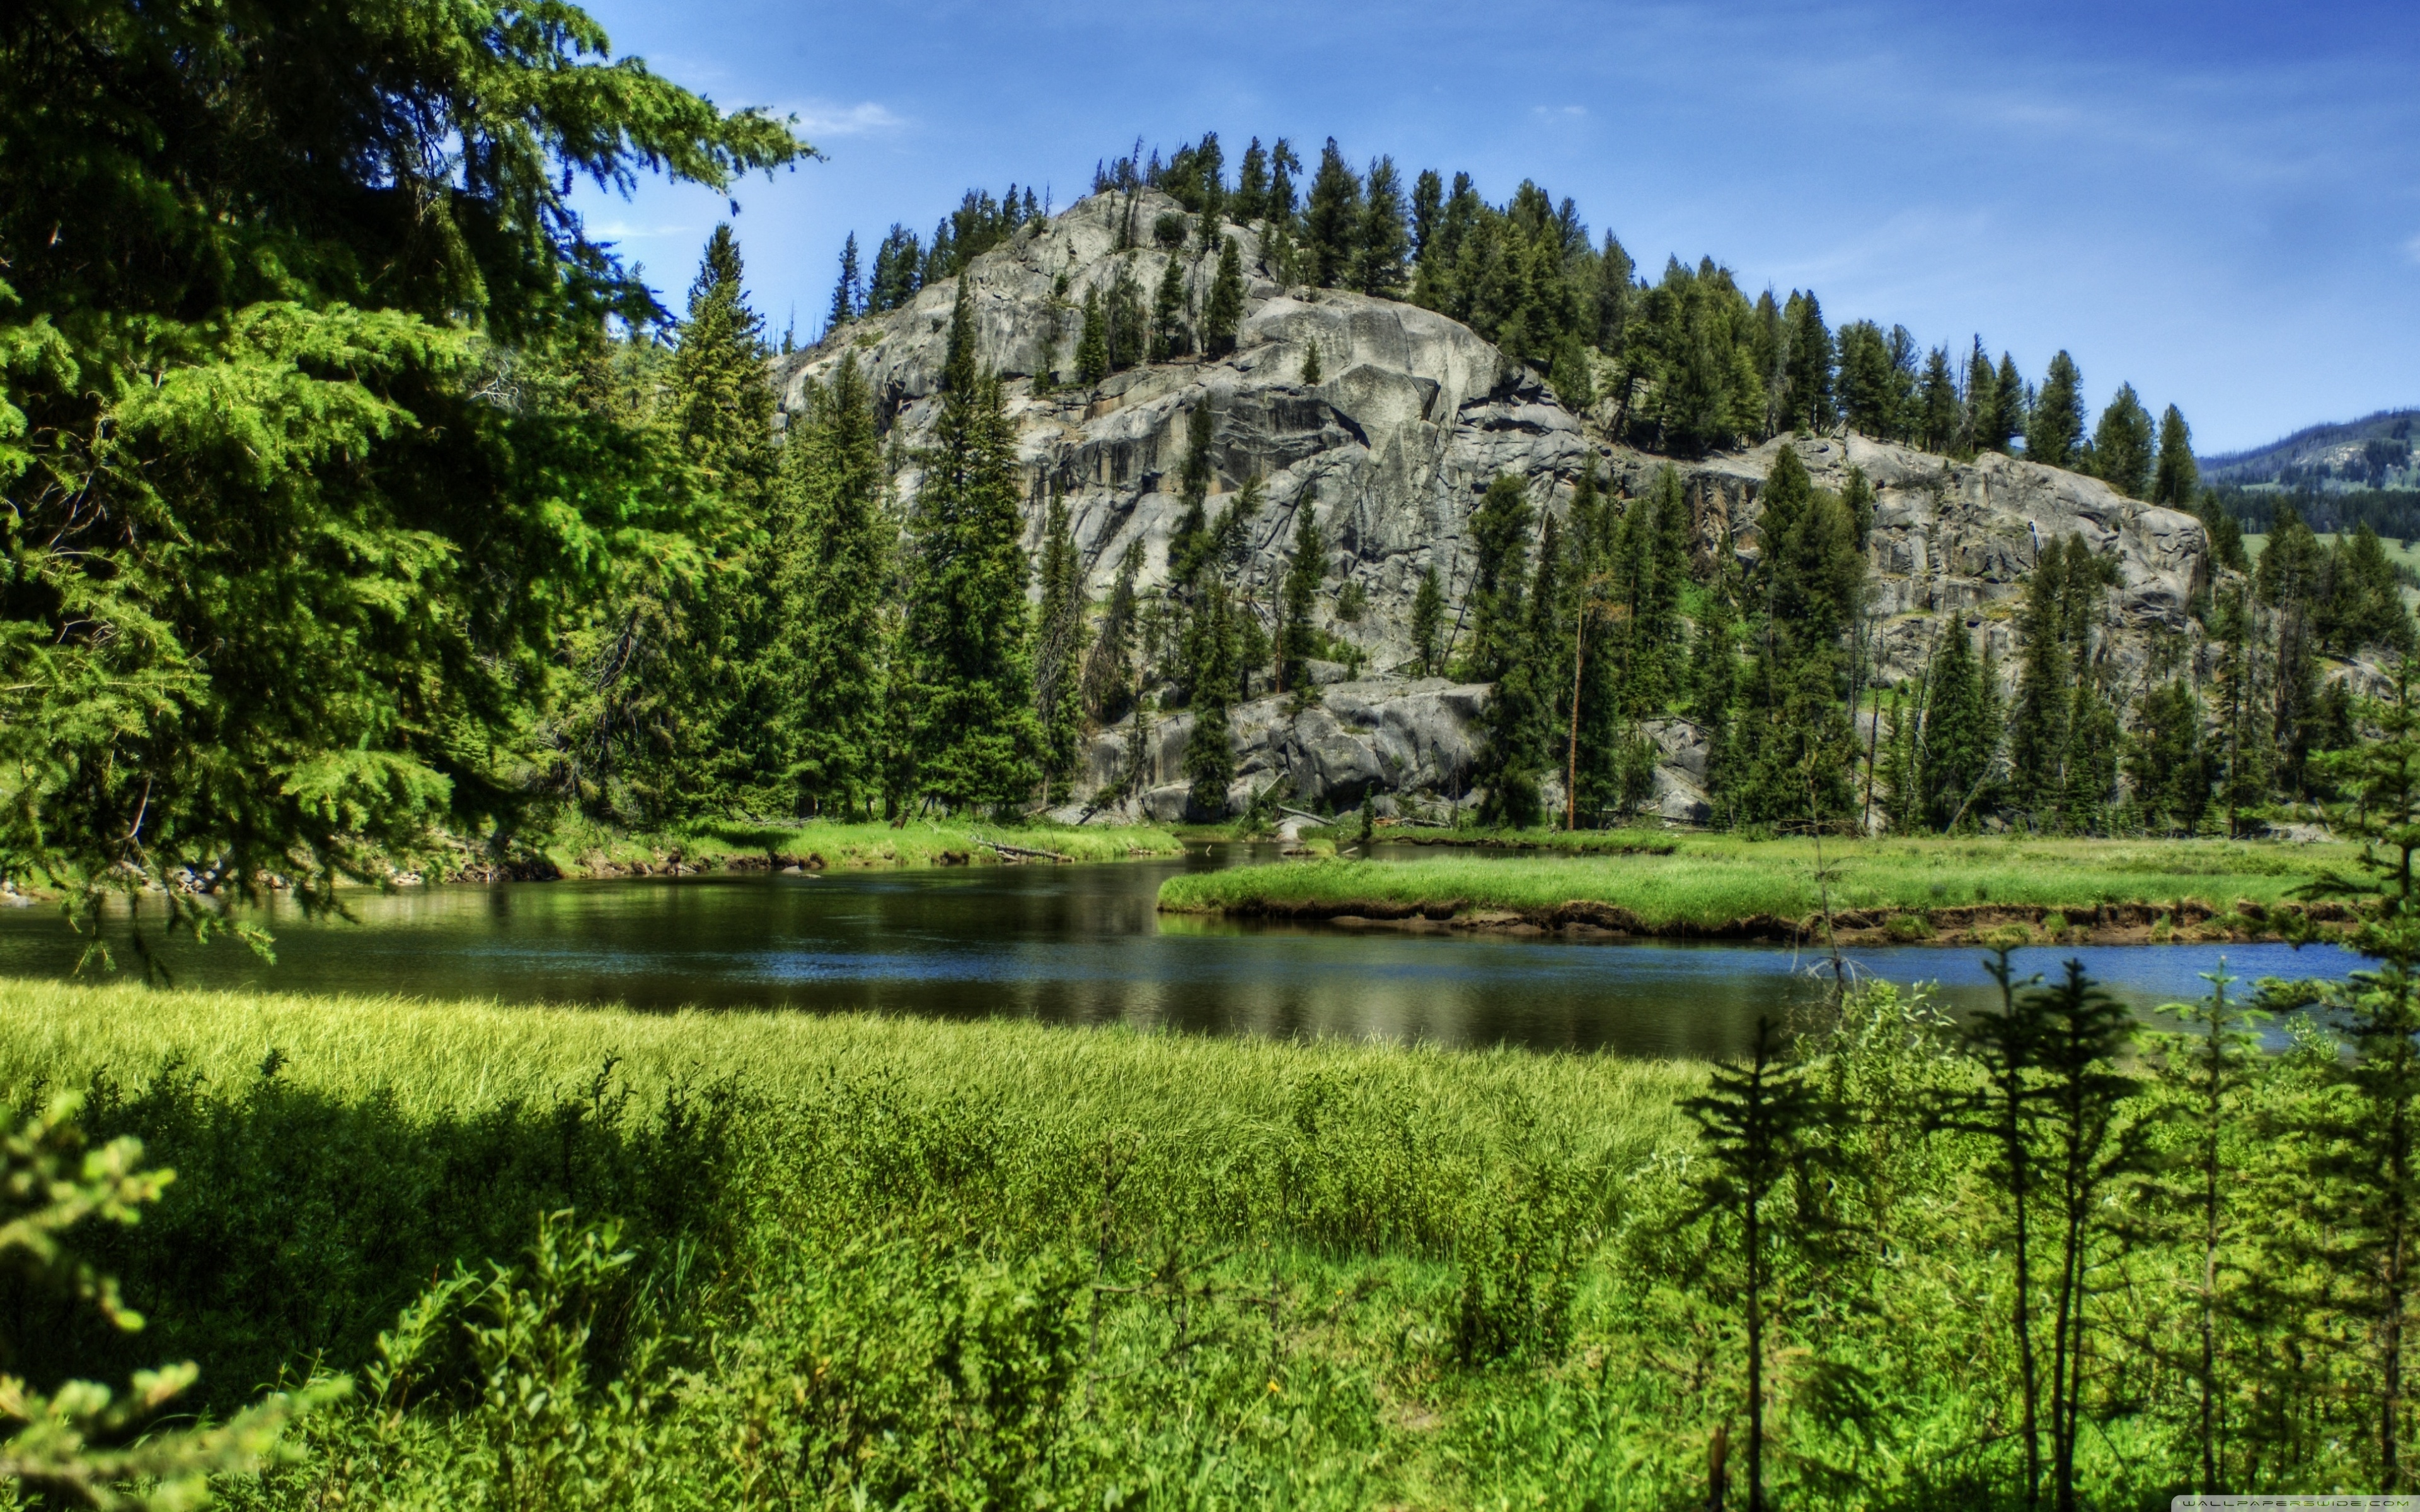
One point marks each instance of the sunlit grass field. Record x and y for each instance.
(859, 1262)
(869, 843)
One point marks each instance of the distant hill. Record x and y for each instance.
(2374, 452)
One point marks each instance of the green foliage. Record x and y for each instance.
(1332, 221)
(1380, 242)
(1958, 735)
(291, 526)
(997, 1264)
(2176, 480)
(74, 1441)
(1428, 623)
(1757, 1126)
(1093, 347)
(2055, 427)
(2121, 444)
(1172, 336)
(1127, 326)
(1792, 744)
(1060, 636)
(1224, 312)
(833, 544)
(1299, 637)
(966, 688)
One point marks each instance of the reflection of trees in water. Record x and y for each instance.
(1073, 946)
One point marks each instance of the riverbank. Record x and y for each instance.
(1946, 890)
(814, 845)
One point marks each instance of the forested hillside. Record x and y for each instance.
(346, 538)
(1242, 433)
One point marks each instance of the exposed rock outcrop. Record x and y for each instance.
(1414, 415)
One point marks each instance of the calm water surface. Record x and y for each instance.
(1079, 945)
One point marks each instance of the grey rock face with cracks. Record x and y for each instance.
(1413, 415)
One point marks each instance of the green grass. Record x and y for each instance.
(901, 1263)
(917, 843)
(1708, 883)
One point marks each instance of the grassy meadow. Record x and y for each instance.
(860, 1261)
(1717, 883)
(594, 851)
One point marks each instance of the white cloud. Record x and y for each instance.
(2412, 249)
(819, 118)
(624, 231)
(1559, 113)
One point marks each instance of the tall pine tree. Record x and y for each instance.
(834, 541)
(1059, 649)
(969, 685)
(2055, 429)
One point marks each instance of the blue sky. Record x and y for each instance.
(2219, 202)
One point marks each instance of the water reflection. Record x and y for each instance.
(1078, 945)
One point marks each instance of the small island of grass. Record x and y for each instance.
(1949, 890)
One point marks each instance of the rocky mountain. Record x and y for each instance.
(1411, 416)
(2374, 452)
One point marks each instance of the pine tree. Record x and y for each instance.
(971, 737)
(1957, 738)
(2093, 742)
(1796, 744)
(1510, 748)
(2165, 761)
(833, 543)
(1759, 1123)
(848, 297)
(1809, 366)
(1129, 323)
(2368, 1137)
(1428, 622)
(2014, 414)
(1223, 314)
(2038, 724)
(2360, 600)
(1171, 337)
(1297, 614)
(1059, 649)
(1211, 672)
(1310, 364)
(1857, 498)
(1500, 530)
(2177, 479)
(2121, 444)
(2055, 429)
(1332, 220)
(1714, 691)
(1093, 347)
(1250, 202)
(1278, 209)
(1428, 204)
(1937, 404)
(716, 734)
(1984, 431)
(2081, 1036)
(1109, 668)
(1379, 241)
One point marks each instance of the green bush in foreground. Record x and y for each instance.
(579, 1258)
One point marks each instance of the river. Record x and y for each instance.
(1081, 945)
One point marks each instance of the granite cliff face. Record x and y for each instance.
(1413, 416)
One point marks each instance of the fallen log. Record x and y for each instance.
(1022, 852)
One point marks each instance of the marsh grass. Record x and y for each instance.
(871, 1261)
(917, 842)
(1710, 881)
